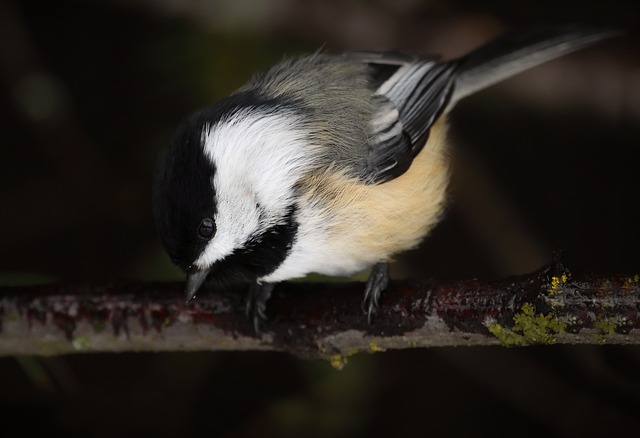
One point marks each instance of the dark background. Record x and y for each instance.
(547, 161)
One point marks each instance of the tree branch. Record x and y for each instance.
(323, 320)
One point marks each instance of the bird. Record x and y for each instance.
(326, 163)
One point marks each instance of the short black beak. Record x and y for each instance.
(195, 278)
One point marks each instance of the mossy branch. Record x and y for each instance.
(323, 320)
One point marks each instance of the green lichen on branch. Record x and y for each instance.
(317, 320)
(528, 329)
(606, 326)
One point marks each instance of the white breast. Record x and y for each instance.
(315, 251)
(347, 225)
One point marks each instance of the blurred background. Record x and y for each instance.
(547, 161)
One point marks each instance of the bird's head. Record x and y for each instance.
(225, 188)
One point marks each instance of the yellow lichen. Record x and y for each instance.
(529, 328)
(81, 343)
(556, 282)
(338, 361)
(373, 347)
(632, 281)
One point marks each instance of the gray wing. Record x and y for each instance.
(410, 94)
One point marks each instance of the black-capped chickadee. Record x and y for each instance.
(326, 163)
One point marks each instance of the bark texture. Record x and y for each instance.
(323, 320)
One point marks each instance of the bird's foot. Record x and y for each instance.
(376, 284)
(256, 304)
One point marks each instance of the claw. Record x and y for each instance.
(256, 305)
(376, 284)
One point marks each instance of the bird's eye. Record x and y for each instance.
(206, 229)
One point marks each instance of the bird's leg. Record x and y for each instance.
(256, 305)
(376, 284)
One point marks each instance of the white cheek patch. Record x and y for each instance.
(259, 158)
(236, 219)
